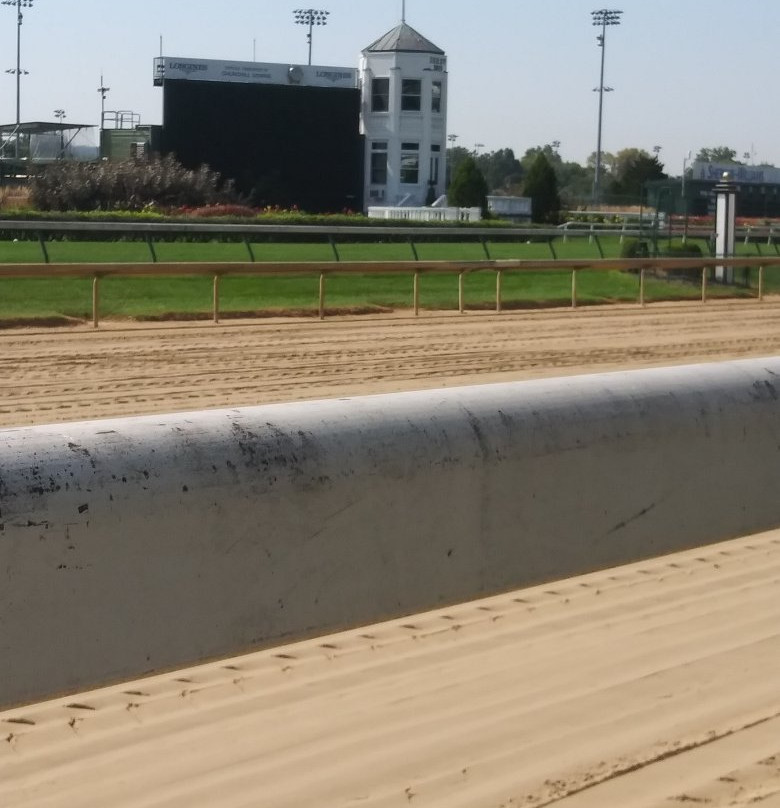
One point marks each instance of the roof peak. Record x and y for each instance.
(403, 39)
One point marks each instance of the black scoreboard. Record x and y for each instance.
(286, 146)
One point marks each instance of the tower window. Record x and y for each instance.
(380, 95)
(411, 94)
(434, 169)
(410, 163)
(436, 96)
(379, 162)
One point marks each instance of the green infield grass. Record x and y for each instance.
(188, 296)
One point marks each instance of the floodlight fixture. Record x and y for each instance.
(308, 17)
(602, 18)
(17, 71)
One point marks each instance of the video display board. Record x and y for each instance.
(287, 146)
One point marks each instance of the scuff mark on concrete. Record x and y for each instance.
(626, 522)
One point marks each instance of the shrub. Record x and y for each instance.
(212, 211)
(128, 185)
(689, 250)
(634, 248)
(15, 197)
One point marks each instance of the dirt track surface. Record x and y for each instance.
(647, 686)
(651, 685)
(54, 375)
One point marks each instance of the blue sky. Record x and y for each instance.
(685, 73)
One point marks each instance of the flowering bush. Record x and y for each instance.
(211, 211)
(129, 185)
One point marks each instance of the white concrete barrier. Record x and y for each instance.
(141, 544)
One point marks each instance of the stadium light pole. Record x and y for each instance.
(309, 17)
(103, 90)
(59, 114)
(448, 166)
(602, 18)
(20, 4)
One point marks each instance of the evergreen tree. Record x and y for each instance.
(541, 185)
(455, 156)
(468, 188)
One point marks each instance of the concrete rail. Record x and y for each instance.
(140, 544)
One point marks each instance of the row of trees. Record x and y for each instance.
(552, 182)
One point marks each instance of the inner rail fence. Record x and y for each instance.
(153, 231)
(219, 270)
(652, 231)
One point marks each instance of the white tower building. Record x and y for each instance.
(403, 80)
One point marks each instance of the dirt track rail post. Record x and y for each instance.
(760, 283)
(642, 286)
(44, 248)
(461, 299)
(498, 291)
(95, 300)
(152, 251)
(704, 284)
(574, 288)
(321, 303)
(215, 299)
(416, 293)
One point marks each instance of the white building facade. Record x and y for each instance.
(403, 80)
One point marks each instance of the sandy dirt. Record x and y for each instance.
(654, 684)
(650, 685)
(53, 375)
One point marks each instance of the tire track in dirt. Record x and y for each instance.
(70, 374)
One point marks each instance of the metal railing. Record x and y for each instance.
(219, 270)
(652, 230)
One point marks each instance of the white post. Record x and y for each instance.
(725, 226)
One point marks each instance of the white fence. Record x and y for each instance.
(426, 214)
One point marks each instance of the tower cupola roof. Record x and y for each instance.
(403, 39)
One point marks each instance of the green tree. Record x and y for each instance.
(718, 154)
(624, 161)
(455, 156)
(633, 168)
(501, 169)
(575, 181)
(549, 150)
(468, 188)
(541, 184)
(608, 162)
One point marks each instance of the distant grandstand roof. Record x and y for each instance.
(403, 38)
(41, 127)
